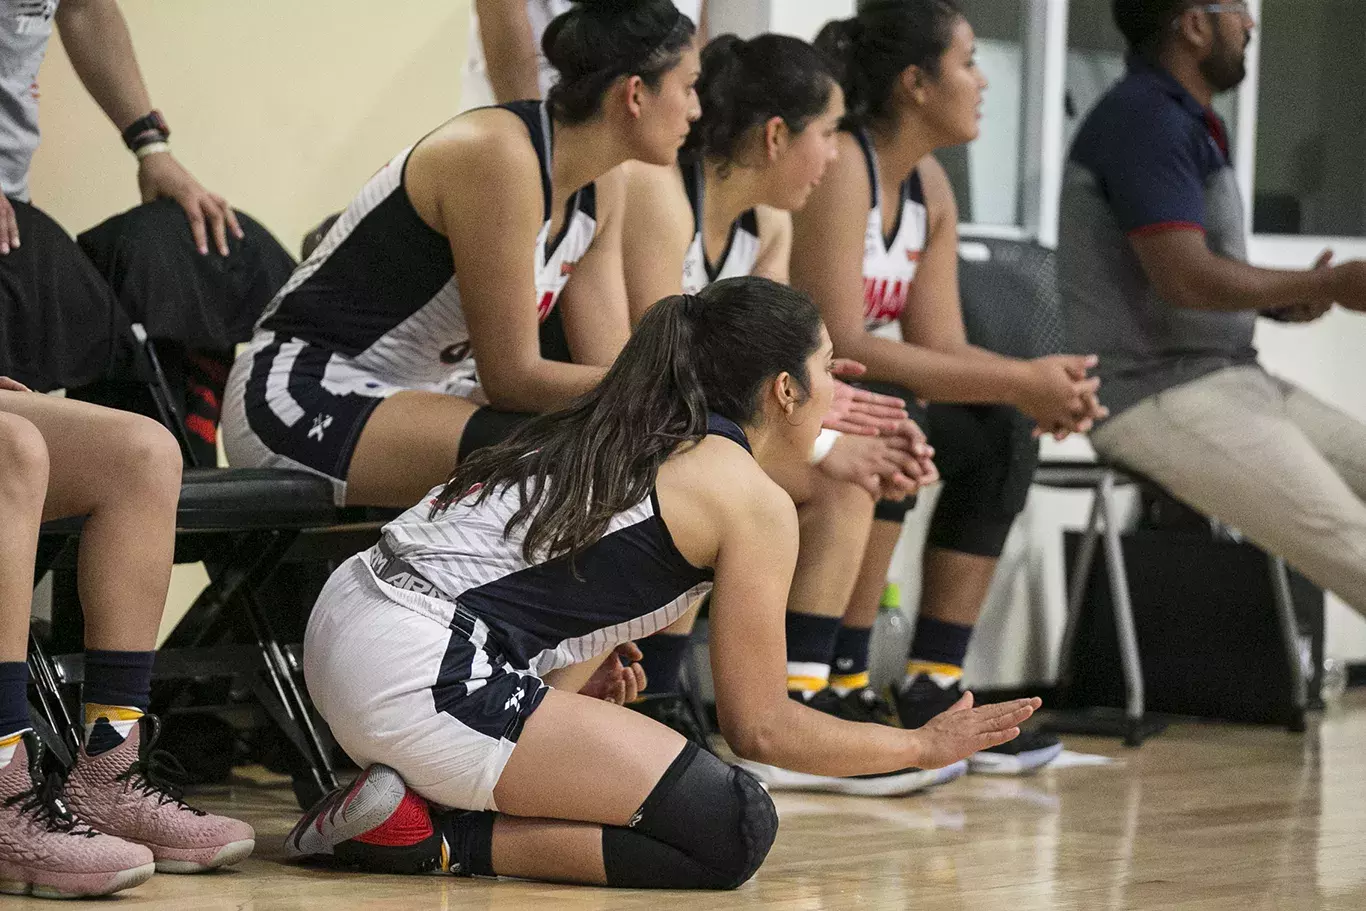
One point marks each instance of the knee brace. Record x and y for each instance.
(706, 825)
(990, 459)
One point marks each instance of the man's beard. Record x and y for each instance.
(1226, 67)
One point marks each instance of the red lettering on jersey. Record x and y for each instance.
(544, 305)
(884, 300)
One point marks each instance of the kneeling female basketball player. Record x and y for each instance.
(433, 655)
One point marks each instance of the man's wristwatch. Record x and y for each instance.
(145, 131)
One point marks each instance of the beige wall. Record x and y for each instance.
(285, 108)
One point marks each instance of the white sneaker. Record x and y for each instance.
(886, 784)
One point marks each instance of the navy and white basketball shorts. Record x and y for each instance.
(289, 404)
(413, 682)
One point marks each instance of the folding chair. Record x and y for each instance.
(243, 523)
(1011, 306)
(1103, 528)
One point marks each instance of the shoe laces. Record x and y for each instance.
(156, 773)
(867, 705)
(43, 802)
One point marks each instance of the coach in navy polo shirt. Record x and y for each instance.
(1153, 274)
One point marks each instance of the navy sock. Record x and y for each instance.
(939, 642)
(810, 648)
(662, 658)
(470, 837)
(13, 698)
(851, 653)
(811, 638)
(118, 678)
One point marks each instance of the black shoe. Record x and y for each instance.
(924, 698)
(863, 705)
(673, 710)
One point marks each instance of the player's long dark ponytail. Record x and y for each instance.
(690, 355)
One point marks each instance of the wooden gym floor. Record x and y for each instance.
(1202, 817)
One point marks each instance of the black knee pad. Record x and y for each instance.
(988, 458)
(896, 510)
(706, 825)
(488, 427)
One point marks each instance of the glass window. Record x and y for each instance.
(987, 174)
(1311, 119)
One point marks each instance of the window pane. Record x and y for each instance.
(1311, 116)
(986, 174)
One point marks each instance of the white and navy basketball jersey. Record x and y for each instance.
(742, 244)
(890, 262)
(631, 582)
(380, 291)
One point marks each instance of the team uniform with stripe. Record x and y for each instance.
(426, 652)
(742, 244)
(890, 261)
(987, 464)
(376, 309)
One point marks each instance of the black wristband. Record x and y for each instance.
(146, 130)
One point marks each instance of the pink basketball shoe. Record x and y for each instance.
(118, 792)
(45, 851)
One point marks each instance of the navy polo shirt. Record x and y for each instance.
(1148, 158)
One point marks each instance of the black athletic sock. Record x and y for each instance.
(117, 692)
(850, 670)
(13, 698)
(810, 647)
(938, 647)
(118, 678)
(470, 837)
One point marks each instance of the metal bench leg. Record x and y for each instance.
(48, 686)
(1076, 591)
(281, 674)
(1290, 635)
(1125, 634)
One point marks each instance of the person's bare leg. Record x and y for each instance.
(579, 764)
(122, 471)
(409, 445)
(955, 586)
(834, 525)
(863, 604)
(23, 485)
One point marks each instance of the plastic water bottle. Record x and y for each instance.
(1334, 682)
(891, 639)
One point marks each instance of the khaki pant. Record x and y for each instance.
(1261, 455)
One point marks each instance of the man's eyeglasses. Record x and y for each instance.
(1240, 7)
